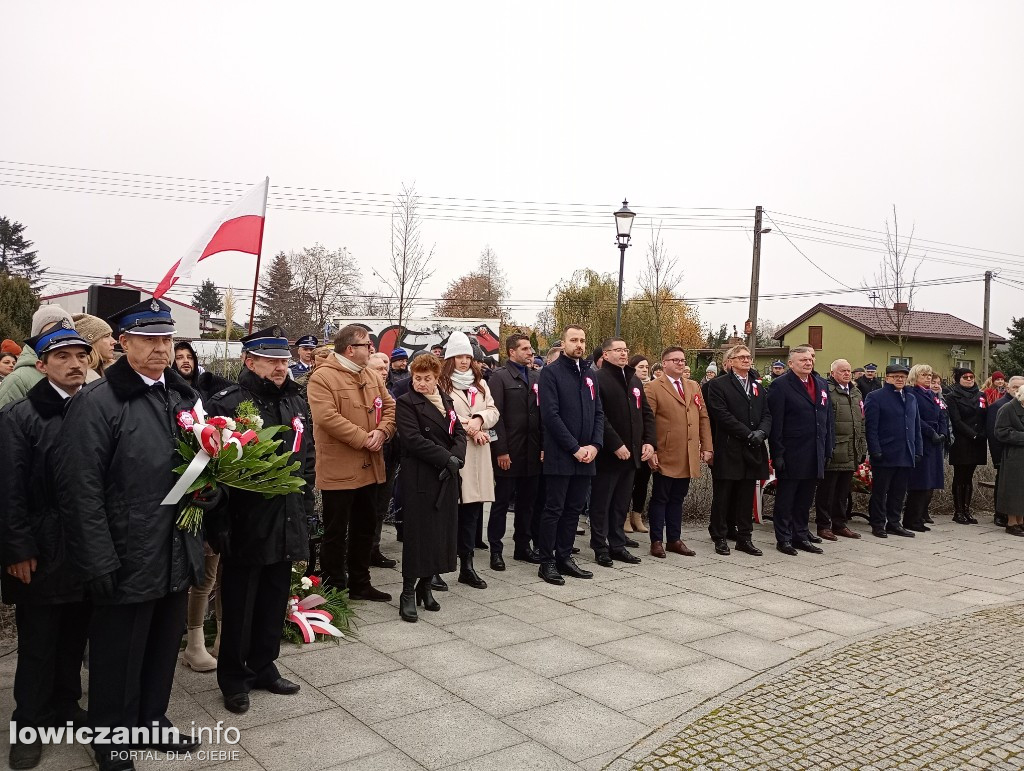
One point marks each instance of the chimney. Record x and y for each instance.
(117, 279)
(900, 307)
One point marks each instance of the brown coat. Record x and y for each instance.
(682, 428)
(343, 416)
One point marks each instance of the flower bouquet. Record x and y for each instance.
(862, 478)
(231, 451)
(315, 614)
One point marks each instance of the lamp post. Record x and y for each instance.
(623, 224)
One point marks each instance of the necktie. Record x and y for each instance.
(679, 388)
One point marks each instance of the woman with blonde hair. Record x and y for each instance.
(97, 333)
(929, 473)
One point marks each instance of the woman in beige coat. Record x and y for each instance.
(461, 379)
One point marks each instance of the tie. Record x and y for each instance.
(679, 388)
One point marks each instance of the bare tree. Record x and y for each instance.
(658, 282)
(545, 323)
(896, 282)
(410, 261)
(327, 282)
(377, 304)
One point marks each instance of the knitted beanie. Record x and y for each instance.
(9, 346)
(91, 328)
(458, 345)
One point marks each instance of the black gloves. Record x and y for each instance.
(754, 438)
(454, 464)
(102, 587)
(938, 438)
(210, 498)
(876, 458)
(779, 465)
(217, 532)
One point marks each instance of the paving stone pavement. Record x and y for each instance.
(602, 673)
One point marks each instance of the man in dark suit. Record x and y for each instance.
(516, 452)
(570, 408)
(801, 442)
(892, 425)
(740, 423)
(628, 442)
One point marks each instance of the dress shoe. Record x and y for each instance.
(111, 760)
(1000, 520)
(898, 530)
(658, 549)
(637, 519)
(570, 568)
(807, 546)
(25, 755)
(497, 561)
(813, 538)
(281, 687)
(678, 547)
(530, 555)
(437, 583)
(961, 519)
(369, 593)
(550, 573)
(877, 533)
(425, 597)
(747, 547)
(624, 556)
(928, 520)
(632, 544)
(786, 548)
(603, 559)
(575, 550)
(378, 560)
(468, 574)
(827, 534)
(1010, 530)
(970, 519)
(580, 531)
(846, 532)
(722, 546)
(917, 528)
(236, 702)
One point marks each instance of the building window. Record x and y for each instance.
(906, 361)
(964, 364)
(814, 338)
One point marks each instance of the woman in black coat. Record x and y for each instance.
(967, 413)
(433, 450)
(1010, 433)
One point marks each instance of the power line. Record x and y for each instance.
(808, 259)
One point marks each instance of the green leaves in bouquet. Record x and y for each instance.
(260, 469)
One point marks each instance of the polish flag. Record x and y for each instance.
(238, 229)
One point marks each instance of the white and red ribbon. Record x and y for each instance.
(696, 399)
(824, 398)
(452, 417)
(753, 387)
(940, 403)
(311, 622)
(590, 385)
(472, 391)
(536, 393)
(862, 408)
(982, 403)
(378, 406)
(300, 428)
(636, 393)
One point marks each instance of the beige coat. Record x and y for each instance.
(477, 474)
(682, 427)
(343, 416)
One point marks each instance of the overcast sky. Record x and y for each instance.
(819, 110)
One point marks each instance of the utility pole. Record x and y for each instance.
(755, 281)
(984, 328)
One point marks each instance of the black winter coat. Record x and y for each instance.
(802, 437)
(30, 525)
(265, 531)
(1010, 431)
(995, 447)
(570, 407)
(968, 413)
(430, 494)
(519, 425)
(734, 415)
(866, 386)
(628, 418)
(114, 464)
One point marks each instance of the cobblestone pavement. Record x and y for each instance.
(941, 695)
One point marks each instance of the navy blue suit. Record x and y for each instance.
(892, 424)
(571, 414)
(801, 442)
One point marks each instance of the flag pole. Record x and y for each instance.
(259, 253)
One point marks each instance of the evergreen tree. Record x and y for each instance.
(17, 304)
(278, 300)
(1011, 361)
(17, 257)
(534, 341)
(207, 299)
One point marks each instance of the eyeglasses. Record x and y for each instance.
(967, 377)
(745, 357)
(360, 345)
(673, 361)
(616, 350)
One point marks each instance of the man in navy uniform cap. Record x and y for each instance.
(52, 615)
(867, 382)
(258, 538)
(305, 346)
(114, 464)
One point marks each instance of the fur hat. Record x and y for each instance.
(46, 316)
(91, 328)
(458, 345)
(9, 346)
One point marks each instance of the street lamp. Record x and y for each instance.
(623, 224)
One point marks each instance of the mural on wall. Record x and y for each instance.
(420, 334)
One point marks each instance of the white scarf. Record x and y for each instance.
(464, 380)
(348, 365)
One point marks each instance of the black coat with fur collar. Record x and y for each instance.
(29, 520)
(113, 466)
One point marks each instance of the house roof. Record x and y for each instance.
(877, 322)
(125, 285)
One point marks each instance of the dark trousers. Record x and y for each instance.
(349, 521)
(526, 522)
(469, 517)
(383, 500)
(732, 507)
(832, 500)
(610, 495)
(48, 680)
(254, 599)
(133, 650)
(666, 511)
(566, 496)
(916, 507)
(641, 482)
(793, 501)
(963, 487)
(888, 491)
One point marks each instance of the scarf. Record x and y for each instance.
(435, 399)
(348, 365)
(463, 380)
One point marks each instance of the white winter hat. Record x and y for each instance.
(458, 345)
(712, 367)
(47, 315)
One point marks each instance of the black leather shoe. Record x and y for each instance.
(898, 530)
(25, 755)
(550, 573)
(602, 559)
(807, 546)
(437, 583)
(879, 533)
(570, 568)
(786, 548)
(624, 556)
(369, 593)
(960, 518)
(497, 561)
(575, 550)
(378, 560)
(722, 547)
(532, 556)
(631, 543)
(917, 528)
(1000, 520)
(928, 520)
(424, 596)
(747, 547)
(407, 604)
(281, 687)
(970, 519)
(236, 702)
(812, 538)
(468, 574)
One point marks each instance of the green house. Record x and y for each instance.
(872, 335)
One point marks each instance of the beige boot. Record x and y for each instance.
(196, 656)
(627, 526)
(638, 522)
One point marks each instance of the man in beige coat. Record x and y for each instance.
(353, 416)
(683, 441)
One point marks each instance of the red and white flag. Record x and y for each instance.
(238, 229)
